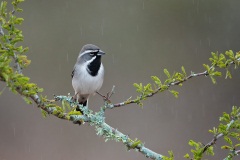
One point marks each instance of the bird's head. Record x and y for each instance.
(89, 52)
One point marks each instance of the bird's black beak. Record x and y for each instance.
(100, 53)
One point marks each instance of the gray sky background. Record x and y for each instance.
(141, 38)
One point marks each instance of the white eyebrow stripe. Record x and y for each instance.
(85, 52)
(88, 51)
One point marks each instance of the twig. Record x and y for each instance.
(104, 97)
(205, 73)
(214, 140)
(109, 95)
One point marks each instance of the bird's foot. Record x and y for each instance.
(75, 97)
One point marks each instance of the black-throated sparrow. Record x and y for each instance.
(88, 73)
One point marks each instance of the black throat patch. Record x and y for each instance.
(94, 66)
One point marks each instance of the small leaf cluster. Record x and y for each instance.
(229, 129)
(134, 143)
(11, 54)
(223, 61)
(148, 90)
(48, 107)
(11, 35)
(171, 156)
(198, 150)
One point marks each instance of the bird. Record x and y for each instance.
(87, 74)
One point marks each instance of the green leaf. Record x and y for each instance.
(19, 1)
(3, 51)
(135, 144)
(210, 151)
(39, 90)
(163, 88)
(157, 80)
(237, 57)
(147, 89)
(230, 54)
(228, 140)
(175, 93)
(235, 111)
(3, 8)
(225, 147)
(217, 73)
(167, 73)
(193, 144)
(186, 156)
(234, 135)
(226, 117)
(74, 112)
(206, 67)
(19, 10)
(27, 100)
(44, 113)
(222, 58)
(228, 74)
(139, 87)
(18, 20)
(171, 154)
(183, 71)
(237, 145)
(5, 76)
(213, 80)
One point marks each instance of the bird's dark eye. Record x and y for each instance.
(92, 54)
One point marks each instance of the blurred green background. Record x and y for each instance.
(141, 38)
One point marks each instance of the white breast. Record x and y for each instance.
(84, 83)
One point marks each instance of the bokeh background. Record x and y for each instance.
(141, 38)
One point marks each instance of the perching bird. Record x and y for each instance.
(88, 73)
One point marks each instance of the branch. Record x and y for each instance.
(179, 78)
(96, 119)
(103, 129)
(205, 73)
(232, 154)
(229, 129)
(214, 140)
